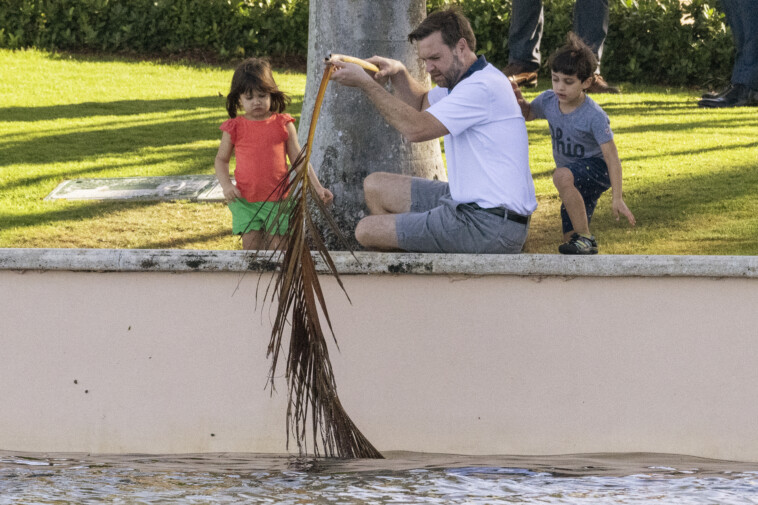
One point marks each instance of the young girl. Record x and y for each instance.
(261, 139)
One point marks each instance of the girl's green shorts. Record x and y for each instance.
(248, 216)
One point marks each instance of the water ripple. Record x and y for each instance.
(403, 478)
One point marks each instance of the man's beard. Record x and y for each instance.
(453, 74)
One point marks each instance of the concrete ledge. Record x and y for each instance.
(165, 351)
(175, 260)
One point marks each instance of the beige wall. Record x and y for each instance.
(168, 362)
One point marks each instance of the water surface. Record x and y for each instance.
(401, 478)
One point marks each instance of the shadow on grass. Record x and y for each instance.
(691, 210)
(689, 152)
(690, 124)
(190, 59)
(96, 209)
(190, 161)
(114, 108)
(670, 203)
(117, 139)
(190, 239)
(71, 212)
(196, 59)
(125, 108)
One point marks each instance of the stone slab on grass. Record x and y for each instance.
(180, 187)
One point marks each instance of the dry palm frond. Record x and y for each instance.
(311, 386)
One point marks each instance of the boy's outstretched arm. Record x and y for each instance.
(526, 108)
(611, 156)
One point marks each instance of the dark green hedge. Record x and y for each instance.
(229, 28)
(646, 42)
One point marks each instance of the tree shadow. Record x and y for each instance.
(189, 162)
(187, 120)
(189, 239)
(90, 210)
(668, 204)
(85, 146)
(689, 124)
(111, 108)
(689, 152)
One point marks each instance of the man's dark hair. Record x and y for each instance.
(452, 25)
(574, 58)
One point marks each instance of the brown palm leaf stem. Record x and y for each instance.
(312, 390)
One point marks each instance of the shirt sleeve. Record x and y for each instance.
(538, 106)
(601, 128)
(436, 94)
(467, 105)
(230, 126)
(286, 118)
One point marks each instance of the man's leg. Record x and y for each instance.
(742, 18)
(387, 193)
(524, 36)
(377, 232)
(525, 33)
(591, 24)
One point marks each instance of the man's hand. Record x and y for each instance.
(387, 68)
(350, 74)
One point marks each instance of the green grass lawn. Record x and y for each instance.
(690, 175)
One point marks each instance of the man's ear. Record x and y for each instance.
(461, 45)
(588, 82)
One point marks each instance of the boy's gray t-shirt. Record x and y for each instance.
(577, 134)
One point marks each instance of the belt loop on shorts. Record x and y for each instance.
(502, 212)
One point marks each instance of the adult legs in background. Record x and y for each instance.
(591, 24)
(525, 35)
(742, 18)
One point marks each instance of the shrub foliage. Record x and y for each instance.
(647, 40)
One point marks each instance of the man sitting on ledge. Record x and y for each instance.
(486, 205)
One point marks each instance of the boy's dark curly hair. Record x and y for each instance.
(574, 58)
(254, 74)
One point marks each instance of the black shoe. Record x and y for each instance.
(717, 94)
(738, 96)
(579, 245)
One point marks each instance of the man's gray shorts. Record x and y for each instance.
(437, 223)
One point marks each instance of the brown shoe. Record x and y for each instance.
(600, 86)
(520, 75)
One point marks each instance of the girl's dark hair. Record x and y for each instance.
(254, 74)
(574, 58)
(452, 25)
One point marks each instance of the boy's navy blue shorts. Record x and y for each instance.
(591, 180)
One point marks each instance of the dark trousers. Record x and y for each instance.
(742, 18)
(527, 20)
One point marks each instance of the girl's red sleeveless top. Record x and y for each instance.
(260, 149)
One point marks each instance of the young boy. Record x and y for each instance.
(586, 159)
